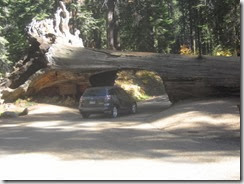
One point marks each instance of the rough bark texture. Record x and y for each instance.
(58, 60)
(183, 76)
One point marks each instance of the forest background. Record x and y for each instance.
(189, 27)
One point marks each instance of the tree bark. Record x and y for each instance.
(116, 33)
(199, 33)
(110, 25)
(191, 26)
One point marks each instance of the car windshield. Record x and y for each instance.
(95, 92)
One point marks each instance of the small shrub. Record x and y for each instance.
(141, 85)
(69, 101)
(185, 50)
(24, 102)
(219, 51)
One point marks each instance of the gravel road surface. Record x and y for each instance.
(192, 140)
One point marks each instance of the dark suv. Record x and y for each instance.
(110, 100)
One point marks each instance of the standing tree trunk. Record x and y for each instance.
(73, 17)
(116, 32)
(146, 43)
(199, 31)
(237, 31)
(110, 25)
(97, 35)
(97, 39)
(191, 27)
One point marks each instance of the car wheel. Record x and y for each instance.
(85, 115)
(114, 112)
(133, 108)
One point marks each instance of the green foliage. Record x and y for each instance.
(4, 61)
(219, 51)
(151, 26)
(17, 16)
(88, 17)
(88, 23)
(24, 102)
(204, 26)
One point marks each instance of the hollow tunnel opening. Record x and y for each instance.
(140, 84)
(103, 79)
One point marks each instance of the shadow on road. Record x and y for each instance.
(113, 143)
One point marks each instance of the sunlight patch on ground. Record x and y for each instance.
(76, 125)
(47, 167)
(91, 126)
(44, 124)
(195, 119)
(49, 109)
(200, 157)
(199, 114)
(9, 125)
(14, 138)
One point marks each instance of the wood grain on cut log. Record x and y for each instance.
(61, 58)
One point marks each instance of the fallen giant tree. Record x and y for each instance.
(58, 63)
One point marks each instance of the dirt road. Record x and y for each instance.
(54, 142)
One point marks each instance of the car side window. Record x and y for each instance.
(124, 94)
(111, 92)
(117, 93)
